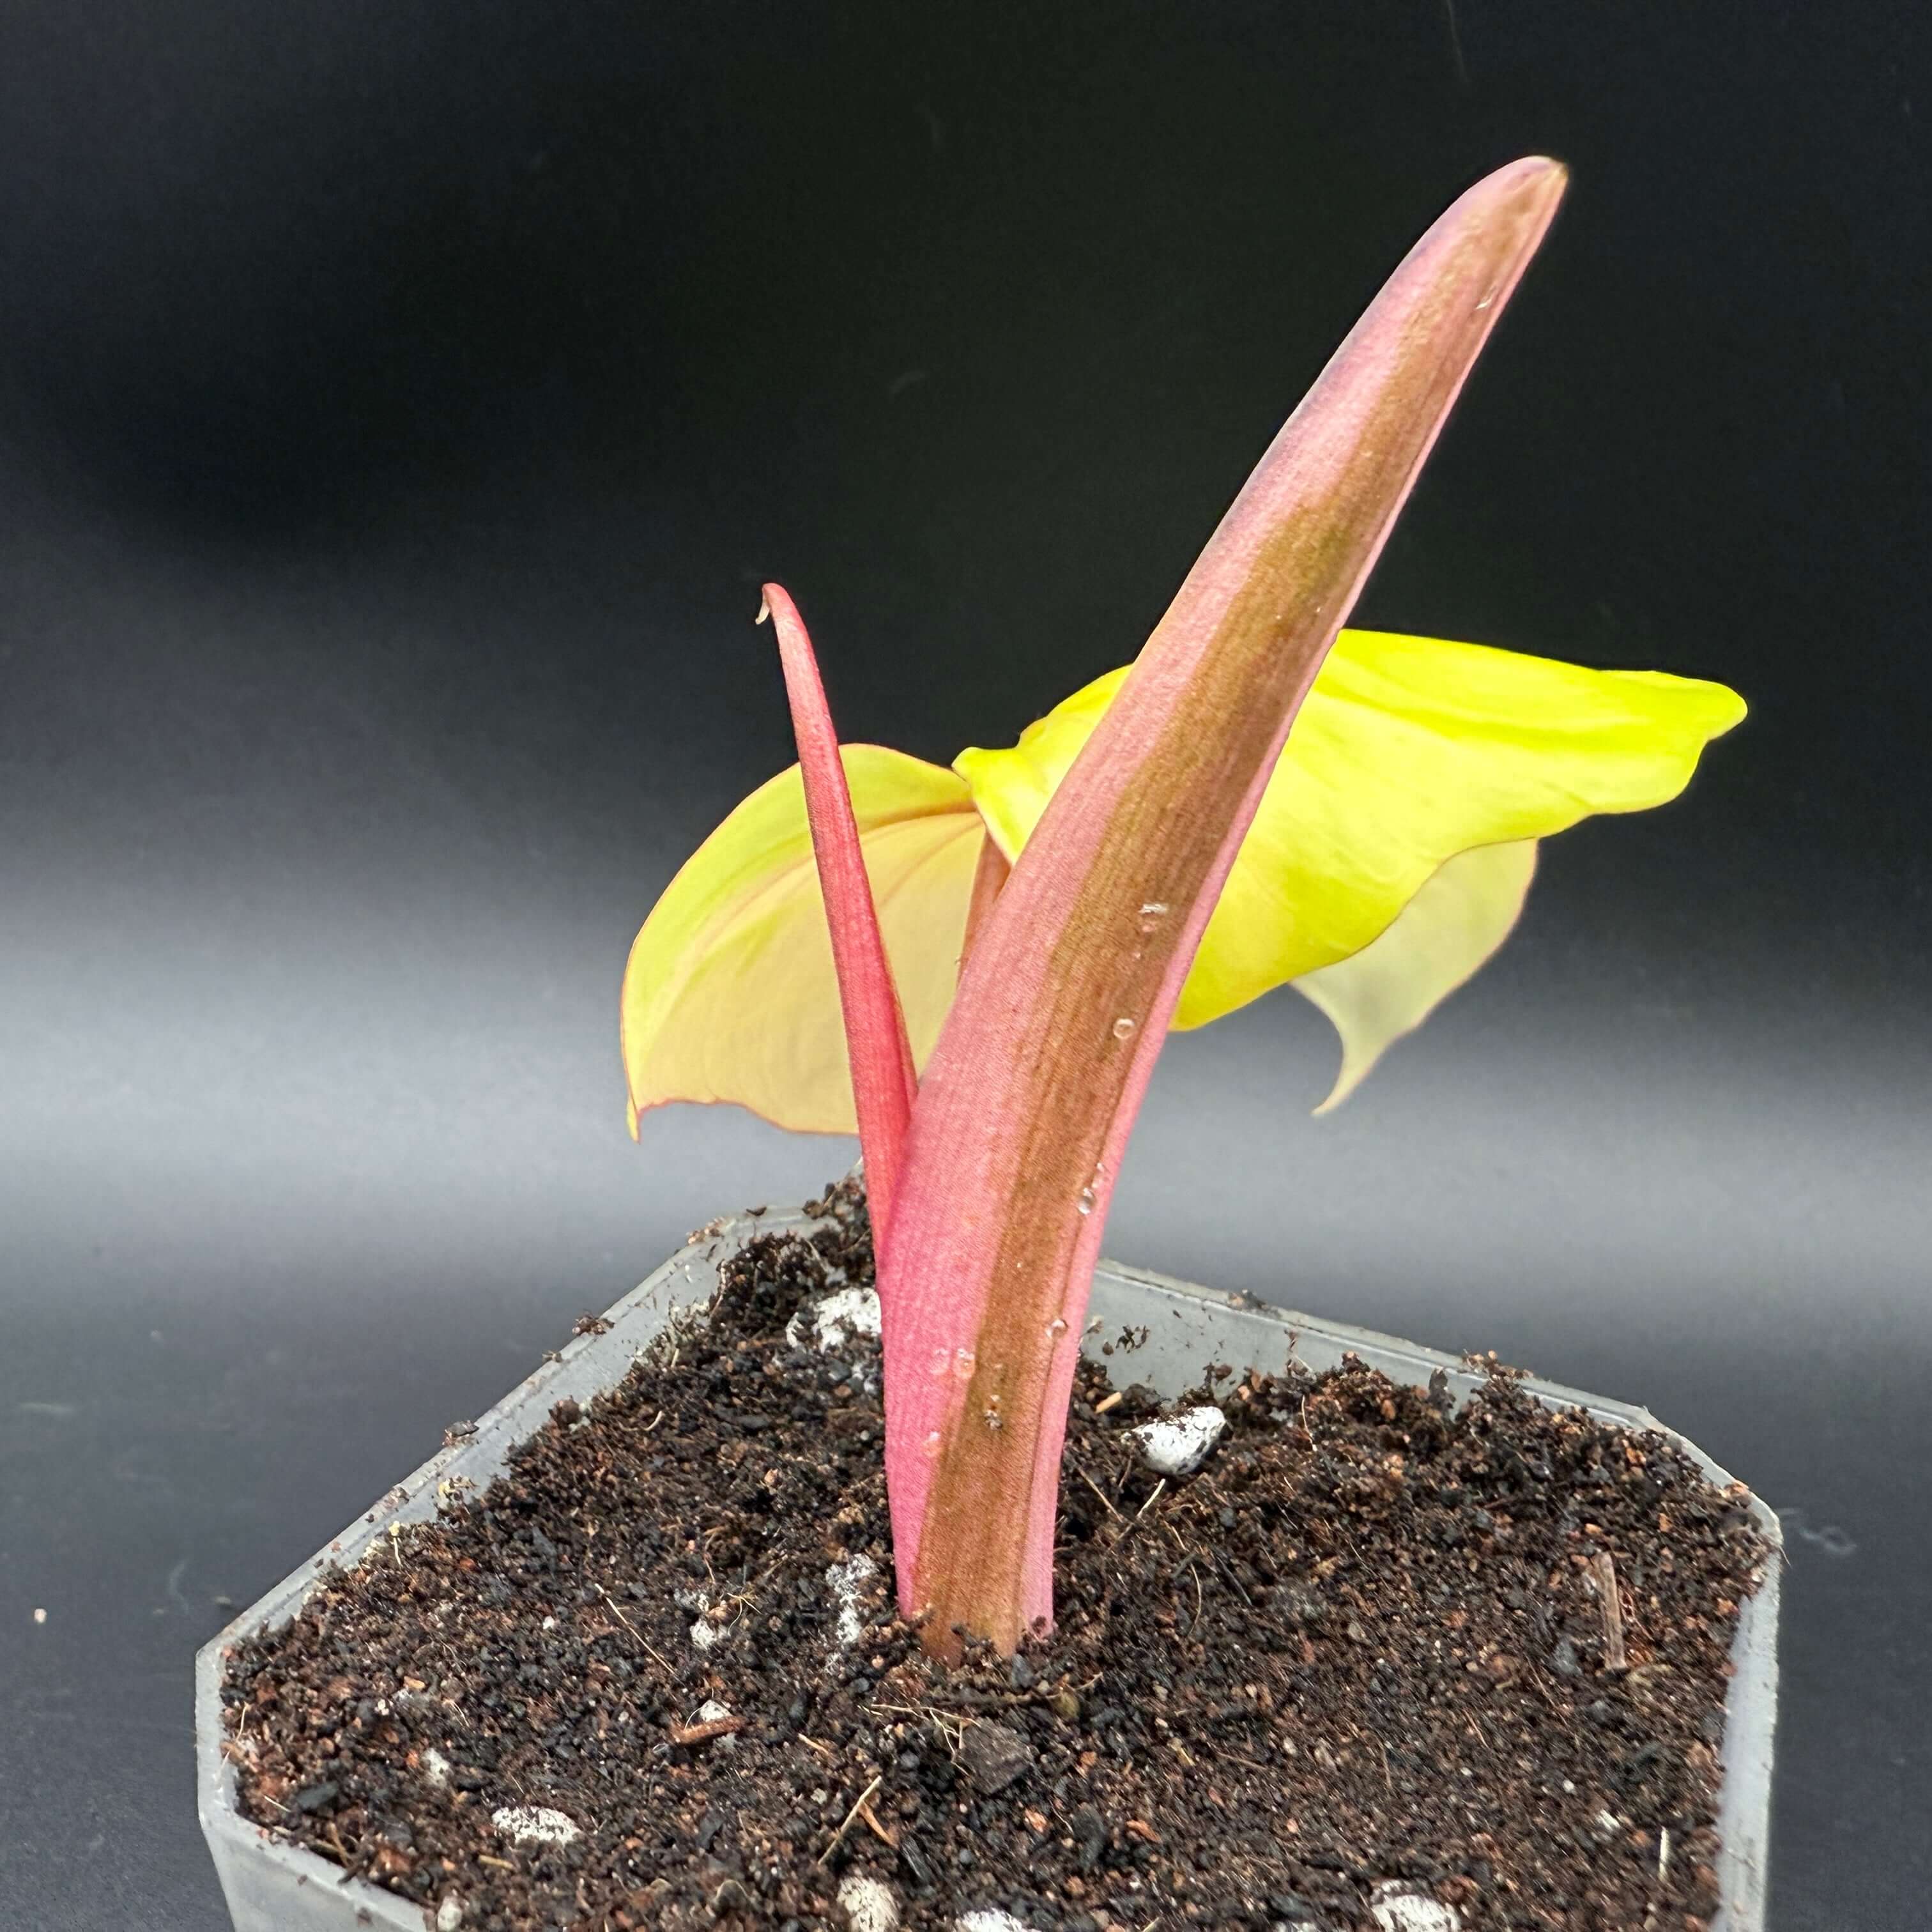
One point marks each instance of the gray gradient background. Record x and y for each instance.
(398, 408)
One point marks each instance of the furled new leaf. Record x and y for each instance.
(876, 1052)
(1031, 1092)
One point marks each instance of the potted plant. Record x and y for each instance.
(859, 1569)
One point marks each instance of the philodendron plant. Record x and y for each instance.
(1010, 941)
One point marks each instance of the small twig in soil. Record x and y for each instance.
(1614, 1658)
(502, 1865)
(1106, 1402)
(629, 1625)
(1221, 1563)
(1106, 1501)
(1542, 1691)
(838, 1836)
(700, 1734)
(878, 1830)
(1134, 1521)
(1301, 1423)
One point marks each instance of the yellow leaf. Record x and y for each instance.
(1011, 787)
(1465, 911)
(729, 993)
(1407, 751)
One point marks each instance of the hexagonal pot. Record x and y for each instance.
(273, 1885)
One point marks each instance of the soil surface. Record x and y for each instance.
(1359, 1668)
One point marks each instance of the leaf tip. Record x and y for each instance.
(1517, 201)
(1539, 180)
(1340, 1092)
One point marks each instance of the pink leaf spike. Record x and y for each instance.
(1076, 966)
(883, 1083)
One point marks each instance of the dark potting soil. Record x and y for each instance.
(1358, 1668)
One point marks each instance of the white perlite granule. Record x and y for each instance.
(1176, 1445)
(832, 1321)
(869, 1905)
(704, 1633)
(449, 1913)
(435, 1769)
(845, 1581)
(534, 1824)
(712, 1712)
(989, 1919)
(1395, 1908)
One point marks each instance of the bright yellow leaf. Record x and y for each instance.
(1011, 787)
(1419, 775)
(729, 993)
(1407, 751)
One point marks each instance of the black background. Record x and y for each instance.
(399, 404)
